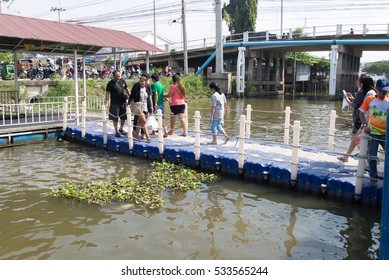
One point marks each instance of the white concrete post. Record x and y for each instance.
(364, 29)
(338, 30)
(362, 156)
(83, 117)
(240, 70)
(130, 127)
(75, 76)
(160, 132)
(287, 125)
(64, 113)
(242, 134)
(83, 78)
(248, 121)
(314, 32)
(197, 135)
(295, 150)
(331, 132)
(333, 69)
(105, 133)
(219, 37)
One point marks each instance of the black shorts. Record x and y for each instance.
(117, 112)
(177, 109)
(356, 125)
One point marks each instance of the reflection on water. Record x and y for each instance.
(225, 220)
(268, 119)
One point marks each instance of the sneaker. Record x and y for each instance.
(117, 134)
(226, 140)
(122, 132)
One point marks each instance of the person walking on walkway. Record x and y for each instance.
(365, 85)
(176, 98)
(116, 95)
(141, 106)
(158, 99)
(136, 87)
(375, 126)
(218, 106)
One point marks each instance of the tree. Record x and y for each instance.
(378, 67)
(6, 57)
(240, 15)
(298, 32)
(322, 64)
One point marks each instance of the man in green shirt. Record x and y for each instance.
(158, 99)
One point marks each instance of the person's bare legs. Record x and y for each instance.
(142, 123)
(351, 147)
(183, 124)
(122, 122)
(115, 125)
(172, 123)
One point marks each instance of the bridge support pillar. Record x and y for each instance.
(348, 68)
(223, 79)
(266, 73)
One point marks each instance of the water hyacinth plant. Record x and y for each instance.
(166, 176)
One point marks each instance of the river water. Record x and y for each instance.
(228, 219)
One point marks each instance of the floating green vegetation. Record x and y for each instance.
(166, 176)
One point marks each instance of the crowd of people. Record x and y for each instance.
(370, 104)
(145, 99)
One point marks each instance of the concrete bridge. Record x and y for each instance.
(264, 57)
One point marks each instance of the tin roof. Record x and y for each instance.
(37, 35)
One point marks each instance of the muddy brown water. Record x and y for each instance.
(228, 219)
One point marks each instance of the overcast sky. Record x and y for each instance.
(138, 15)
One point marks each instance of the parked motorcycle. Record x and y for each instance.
(40, 73)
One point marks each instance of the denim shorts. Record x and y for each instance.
(162, 107)
(216, 126)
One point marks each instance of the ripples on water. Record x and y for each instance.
(224, 220)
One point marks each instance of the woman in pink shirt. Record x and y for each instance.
(176, 98)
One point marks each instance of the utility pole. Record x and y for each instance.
(219, 38)
(155, 28)
(184, 39)
(282, 15)
(58, 9)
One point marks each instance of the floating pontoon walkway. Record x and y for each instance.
(318, 172)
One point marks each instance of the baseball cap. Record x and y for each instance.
(382, 84)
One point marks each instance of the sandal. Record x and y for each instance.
(183, 134)
(122, 132)
(343, 159)
(170, 132)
